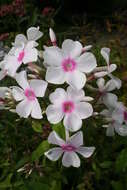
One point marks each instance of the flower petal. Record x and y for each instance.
(105, 52)
(72, 122)
(55, 139)
(76, 139)
(54, 114)
(54, 154)
(55, 75)
(86, 62)
(58, 96)
(31, 54)
(121, 130)
(39, 87)
(101, 83)
(53, 56)
(20, 38)
(110, 131)
(85, 151)
(71, 48)
(70, 159)
(110, 100)
(110, 85)
(36, 110)
(18, 93)
(77, 95)
(24, 108)
(84, 110)
(3, 91)
(21, 79)
(76, 80)
(34, 34)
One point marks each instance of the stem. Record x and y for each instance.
(103, 68)
(67, 134)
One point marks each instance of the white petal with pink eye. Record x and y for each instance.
(58, 96)
(55, 75)
(54, 114)
(105, 52)
(21, 79)
(31, 55)
(85, 151)
(18, 93)
(86, 62)
(53, 56)
(70, 159)
(110, 85)
(72, 122)
(84, 110)
(76, 139)
(55, 139)
(71, 48)
(54, 154)
(24, 108)
(34, 34)
(101, 83)
(36, 110)
(110, 99)
(77, 95)
(76, 80)
(39, 87)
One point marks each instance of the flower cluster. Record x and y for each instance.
(72, 68)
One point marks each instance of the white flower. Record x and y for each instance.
(67, 64)
(22, 54)
(3, 91)
(69, 149)
(115, 123)
(105, 52)
(33, 34)
(27, 95)
(71, 106)
(105, 94)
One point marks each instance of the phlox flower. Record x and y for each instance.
(105, 94)
(69, 149)
(33, 34)
(115, 122)
(27, 95)
(68, 64)
(22, 54)
(105, 52)
(71, 105)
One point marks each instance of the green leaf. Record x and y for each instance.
(44, 146)
(121, 162)
(59, 128)
(37, 127)
(106, 164)
(7, 182)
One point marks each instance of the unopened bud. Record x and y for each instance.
(52, 37)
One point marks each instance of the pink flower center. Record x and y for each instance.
(29, 93)
(21, 56)
(68, 148)
(68, 107)
(125, 115)
(68, 65)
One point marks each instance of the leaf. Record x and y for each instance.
(7, 182)
(121, 162)
(106, 164)
(37, 127)
(59, 128)
(43, 147)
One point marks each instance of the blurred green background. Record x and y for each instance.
(23, 142)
